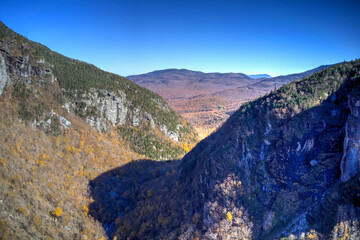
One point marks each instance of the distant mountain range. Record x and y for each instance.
(172, 83)
(256, 76)
(207, 99)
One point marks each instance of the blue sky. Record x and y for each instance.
(132, 37)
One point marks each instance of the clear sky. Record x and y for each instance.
(137, 36)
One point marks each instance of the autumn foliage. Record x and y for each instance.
(44, 177)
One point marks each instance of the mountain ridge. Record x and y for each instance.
(101, 98)
(190, 76)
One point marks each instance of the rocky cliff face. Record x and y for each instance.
(350, 162)
(282, 166)
(277, 158)
(14, 66)
(4, 78)
(100, 107)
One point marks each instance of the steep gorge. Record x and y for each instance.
(285, 165)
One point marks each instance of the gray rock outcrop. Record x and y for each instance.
(115, 109)
(350, 162)
(22, 68)
(107, 107)
(172, 135)
(4, 78)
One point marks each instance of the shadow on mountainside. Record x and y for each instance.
(247, 180)
(118, 191)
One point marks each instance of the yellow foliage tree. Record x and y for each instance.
(57, 212)
(229, 216)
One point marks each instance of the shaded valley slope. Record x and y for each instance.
(285, 166)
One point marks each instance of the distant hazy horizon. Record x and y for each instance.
(134, 37)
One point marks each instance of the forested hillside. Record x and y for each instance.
(63, 123)
(102, 99)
